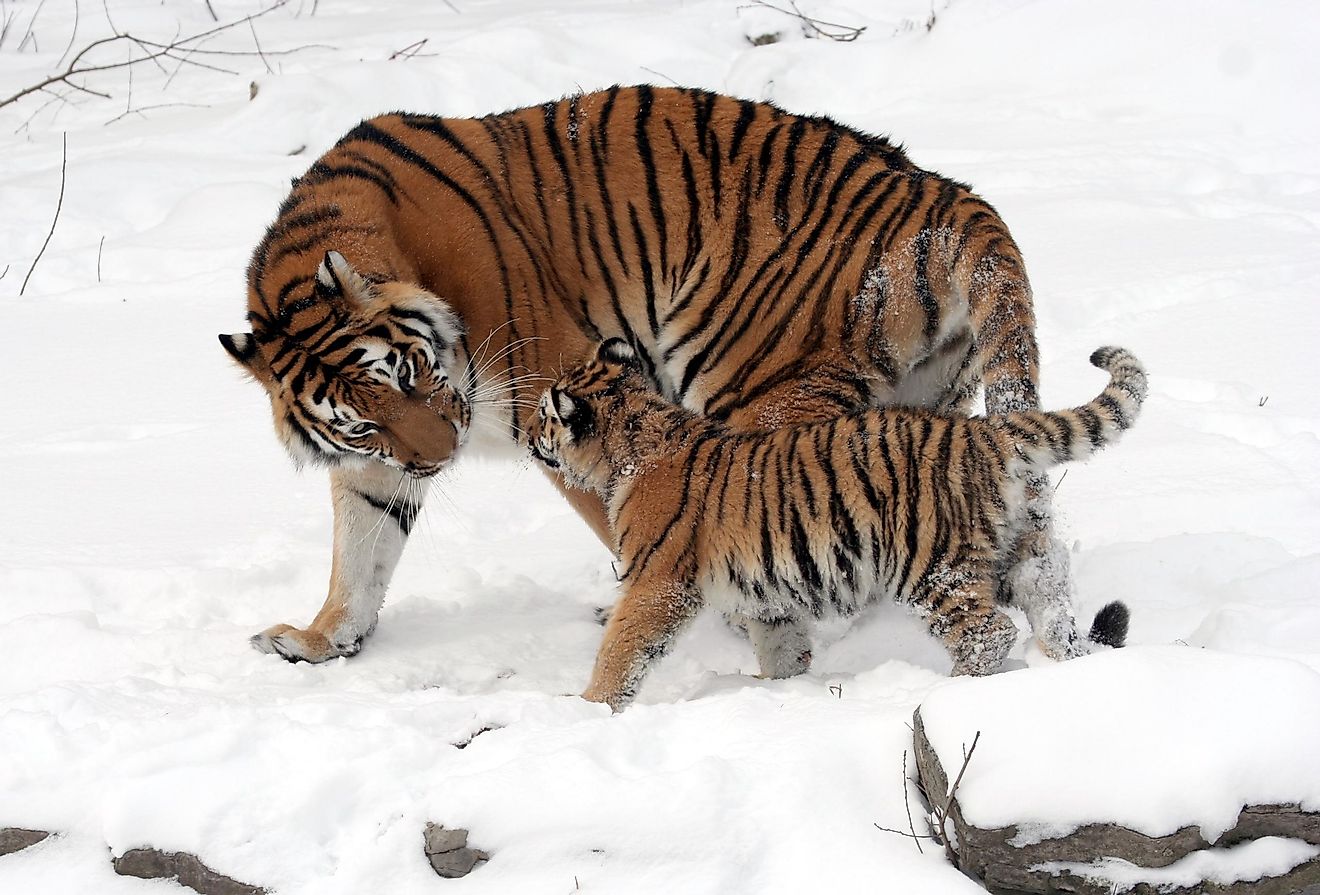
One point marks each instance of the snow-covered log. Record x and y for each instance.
(1208, 786)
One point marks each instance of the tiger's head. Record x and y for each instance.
(362, 370)
(568, 433)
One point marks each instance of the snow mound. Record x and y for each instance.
(1152, 738)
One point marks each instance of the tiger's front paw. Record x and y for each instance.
(616, 700)
(297, 645)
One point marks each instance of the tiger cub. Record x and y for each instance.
(779, 526)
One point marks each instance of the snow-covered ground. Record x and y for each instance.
(1159, 165)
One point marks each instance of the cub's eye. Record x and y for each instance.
(406, 376)
(356, 428)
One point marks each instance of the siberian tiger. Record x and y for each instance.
(781, 526)
(767, 268)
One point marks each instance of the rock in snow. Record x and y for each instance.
(150, 863)
(448, 853)
(14, 839)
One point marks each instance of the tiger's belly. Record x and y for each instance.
(785, 590)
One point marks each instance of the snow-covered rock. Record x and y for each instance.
(1159, 765)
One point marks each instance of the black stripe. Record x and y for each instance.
(645, 97)
(401, 511)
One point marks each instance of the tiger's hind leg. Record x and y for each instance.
(782, 645)
(1039, 580)
(375, 508)
(960, 610)
(988, 271)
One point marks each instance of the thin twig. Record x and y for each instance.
(903, 833)
(255, 40)
(128, 107)
(142, 109)
(105, 6)
(7, 24)
(3, 272)
(841, 33)
(98, 258)
(55, 97)
(660, 74)
(64, 164)
(211, 10)
(409, 51)
(906, 804)
(73, 35)
(943, 814)
(912, 830)
(31, 22)
(1060, 481)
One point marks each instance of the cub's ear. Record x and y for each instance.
(565, 406)
(242, 347)
(616, 351)
(336, 277)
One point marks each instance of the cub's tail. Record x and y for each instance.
(1110, 626)
(1048, 438)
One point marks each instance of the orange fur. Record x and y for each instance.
(769, 268)
(780, 526)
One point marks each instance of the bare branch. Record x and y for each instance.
(140, 110)
(942, 814)
(99, 248)
(660, 74)
(73, 35)
(409, 51)
(64, 164)
(905, 835)
(906, 804)
(255, 40)
(912, 829)
(157, 52)
(815, 27)
(6, 24)
(54, 98)
(3, 272)
(211, 10)
(28, 34)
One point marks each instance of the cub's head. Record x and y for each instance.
(361, 370)
(568, 433)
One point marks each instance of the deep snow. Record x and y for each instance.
(1159, 166)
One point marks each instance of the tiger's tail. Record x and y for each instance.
(1047, 438)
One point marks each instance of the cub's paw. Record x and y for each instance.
(296, 645)
(616, 699)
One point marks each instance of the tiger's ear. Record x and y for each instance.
(616, 351)
(242, 347)
(565, 406)
(336, 277)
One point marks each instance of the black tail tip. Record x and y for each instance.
(1110, 627)
(1102, 356)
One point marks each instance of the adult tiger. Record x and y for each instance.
(767, 268)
